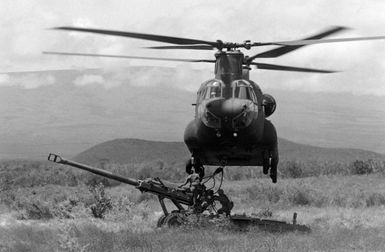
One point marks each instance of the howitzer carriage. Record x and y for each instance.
(184, 200)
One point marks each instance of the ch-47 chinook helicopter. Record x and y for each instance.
(230, 127)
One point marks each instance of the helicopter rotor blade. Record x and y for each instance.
(265, 66)
(321, 41)
(191, 47)
(127, 57)
(286, 49)
(258, 65)
(219, 44)
(153, 37)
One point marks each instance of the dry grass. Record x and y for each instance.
(88, 235)
(345, 213)
(324, 191)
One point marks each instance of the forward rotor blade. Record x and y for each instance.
(289, 68)
(286, 49)
(193, 47)
(127, 57)
(321, 41)
(159, 38)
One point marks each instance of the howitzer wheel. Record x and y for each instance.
(161, 221)
(173, 220)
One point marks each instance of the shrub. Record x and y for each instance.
(102, 202)
(264, 192)
(68, 240)
(300, 197)
(294, 170)
(64, 209)
(23, 173)
(273, 194)
(36, 211)
(375, 199)
(361, 167)
(145, 197)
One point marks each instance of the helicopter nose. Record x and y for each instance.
(230, 113)
(233, 107)
(227, 109)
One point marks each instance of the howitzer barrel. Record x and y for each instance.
(57, 159)
(155, 186)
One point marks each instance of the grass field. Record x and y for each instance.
(345, 213)
(91, 235)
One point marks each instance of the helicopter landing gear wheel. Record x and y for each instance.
(266, 165)
(273, 170)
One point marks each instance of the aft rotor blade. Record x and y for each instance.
(289, 68)
(286, 49)
(153, 37)
(321, 41)
(127, 57)
(193, 47)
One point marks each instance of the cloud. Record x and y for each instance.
(27, 81)
(89, 79)
(25, 27)
(4, 80)
(182, 77)
(108, 82)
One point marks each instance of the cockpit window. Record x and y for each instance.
(211, 89)
(243, 90)
(214, 90)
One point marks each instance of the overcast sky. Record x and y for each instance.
(24, 35)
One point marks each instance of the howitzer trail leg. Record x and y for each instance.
(161, 201)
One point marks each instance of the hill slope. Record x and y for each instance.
(294, 151)
(134, 151)
(137, 151)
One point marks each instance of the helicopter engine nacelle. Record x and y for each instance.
(268, 104)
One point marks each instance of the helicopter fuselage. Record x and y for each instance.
(230, 126)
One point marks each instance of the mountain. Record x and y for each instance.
(137, 151)
(293, 151)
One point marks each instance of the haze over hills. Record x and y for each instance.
(125, 151)
(69, 111)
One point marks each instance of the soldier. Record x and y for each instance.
(227, 205)
(197, 165)
(195, 186)
(208, 199)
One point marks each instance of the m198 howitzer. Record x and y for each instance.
(163, 189)
(185, 198)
